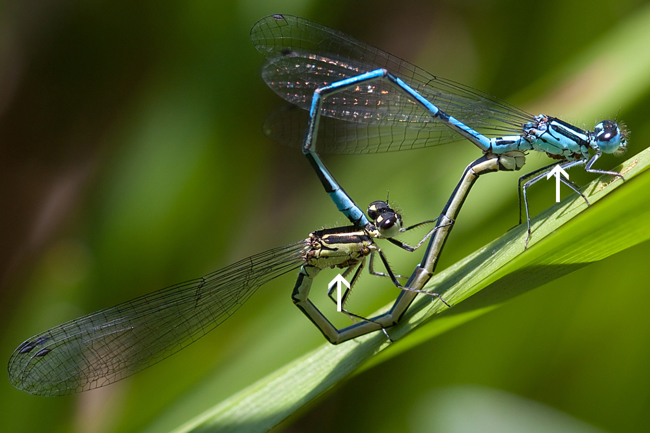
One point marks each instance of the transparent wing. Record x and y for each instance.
(288, 125)
(303, 55)
(109, 345)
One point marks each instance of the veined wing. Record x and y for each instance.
(109, 345)
(288, 125)
(303, 55)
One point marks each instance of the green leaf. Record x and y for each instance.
(566, 237)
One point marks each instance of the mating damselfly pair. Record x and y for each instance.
(360, 100)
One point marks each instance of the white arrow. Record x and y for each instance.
(557, 172)
(338, 280)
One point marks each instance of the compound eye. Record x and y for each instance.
(377, 208)
(606, 130)
(389, 223)
(386, 223)
(609, 138)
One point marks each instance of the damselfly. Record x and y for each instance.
(106, 346)
(389, 104)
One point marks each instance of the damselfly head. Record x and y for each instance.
(610, 138)
(387, 221)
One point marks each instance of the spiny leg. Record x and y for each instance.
(347, 292)
(544, 170)
(409, 248)
(541, 174)
(591, 162)
(393, 277)
(406, 246)
(344, 298)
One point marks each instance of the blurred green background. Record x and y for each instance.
(132, 158)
